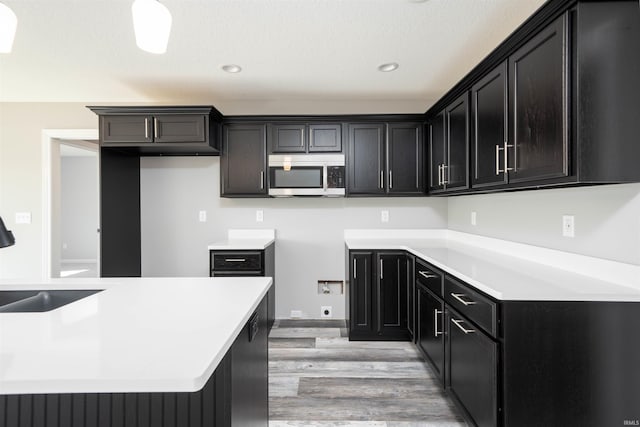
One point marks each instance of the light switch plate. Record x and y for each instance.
(568, 226)
(259, 215)
(202, 216)
(23, 217)
(384, 216)
(474, 218)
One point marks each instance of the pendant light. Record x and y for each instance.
(6, 236)
(8, 25)
(152, 25)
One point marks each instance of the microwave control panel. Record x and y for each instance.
(335, 177)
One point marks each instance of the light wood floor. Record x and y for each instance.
(317, 377)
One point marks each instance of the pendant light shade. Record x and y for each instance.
(6, 236)
(152, 25)
(8, 25)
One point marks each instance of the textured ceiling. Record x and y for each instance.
(298, 56)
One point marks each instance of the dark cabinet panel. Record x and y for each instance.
(430, 326)
(437, 154)
(183, 128)
(472, 370)
(126, 128)
(539, 117)
(243, 160)
(325, 137)
(288, 138)
(456, 169)
(365, 167)
(490, 117)
(391, 310)
(411, 296)
(405, 158)
(361, 296)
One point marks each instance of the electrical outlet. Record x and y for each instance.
(384, 216)
(326, 311)
(259, 215)
(474, 218)
(296, 314)
(568, 226)
(23, 217)
(202, 216)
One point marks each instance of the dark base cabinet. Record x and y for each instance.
(236, 395)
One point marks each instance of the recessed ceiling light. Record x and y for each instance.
(390, 66)
(232, 68)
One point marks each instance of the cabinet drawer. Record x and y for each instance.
(478, 308)
(236, 261)
(429, 277)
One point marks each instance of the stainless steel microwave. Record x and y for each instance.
(307, 175)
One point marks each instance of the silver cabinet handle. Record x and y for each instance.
(381, 179)
(146, 128)
(262, 180)
(381, 269)
(459, 298)
(458, 324)
(444, 174)
(506, 157)
(234, 259)
(355, 271)
(155, 127)
(498, 170)
(435, 323)
(439, 175)
(390, 179)
(426, 275)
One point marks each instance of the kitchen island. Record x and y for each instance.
(179, 351)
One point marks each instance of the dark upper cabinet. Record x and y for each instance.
(365, 158)
(160, 130)
(449, 148)
(405, 163)
(244, 160)
(302, 138)
(385, 159)
(490, 145)
(539, 113)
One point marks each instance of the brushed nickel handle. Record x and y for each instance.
(262, 180)
(435, 322)
(234, 259)
(355, 271)
(439, 174)
(506, 158)
(427, 275)
(381, 179)
(390, 179)
(444, 177)
(458, 324)
(381, 269)
(155, 127)
(459, 298)
(146, 128)
(498, 170)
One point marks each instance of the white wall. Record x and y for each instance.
(79, 207)
(607, 219)
(310, 244)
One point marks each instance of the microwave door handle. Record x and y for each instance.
(324, 178)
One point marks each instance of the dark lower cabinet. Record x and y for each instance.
(377, 296)
(431, 329)
(236, 395)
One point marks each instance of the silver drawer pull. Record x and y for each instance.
(458, 324)
(459, 298)
(435, 323)
(426, 275)
(234, 260)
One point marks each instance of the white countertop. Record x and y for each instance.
(250, 239)
(139, 335)
(507, 270)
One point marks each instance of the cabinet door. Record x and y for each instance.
(437, 143)
(411, 297)
(457, 151)
(288, 138)
(325, 137)
(366, 159)
(361, 293)
(472, 373)
(431, 329)
(539, 116)
(489, 98)
(405, 158)
(391, 310)
(244, 160)
(180, 128)
(126, 128)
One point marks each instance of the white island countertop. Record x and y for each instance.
(509, 271)
(138, 335)
(249, 239)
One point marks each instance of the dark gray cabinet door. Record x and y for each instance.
(361, 293)
(489, 97)
(431, 328)
(325, 137)
(180, 128)
(126, 128)
(391, 293)
(405, 162)
(456, 171)
(437, 155)
(243, 160)
(472, 371)
(288, 138)
(538, 74)
(366, 159)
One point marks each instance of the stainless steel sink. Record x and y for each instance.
(39, 301)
